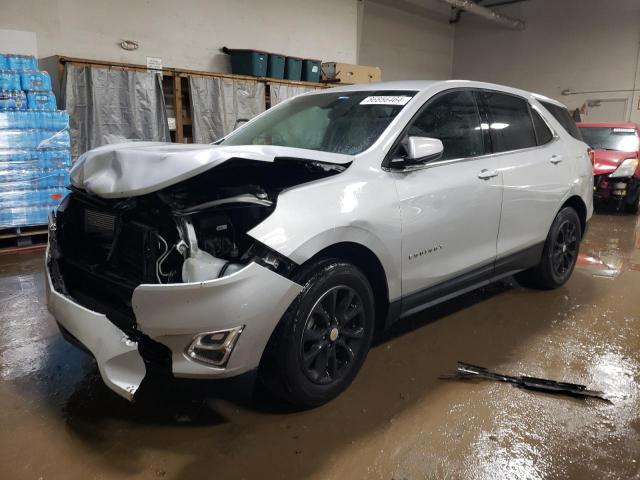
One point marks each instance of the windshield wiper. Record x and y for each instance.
(466, 371)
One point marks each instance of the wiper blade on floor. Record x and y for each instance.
(466, 371)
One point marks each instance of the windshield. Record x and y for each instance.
(611, 138)
(340, 122)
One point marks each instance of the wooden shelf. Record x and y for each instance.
(176, 87)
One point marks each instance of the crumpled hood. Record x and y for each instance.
(137, 168)
(606, 161)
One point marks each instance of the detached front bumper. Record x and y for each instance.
(254, 298)
(121, 366)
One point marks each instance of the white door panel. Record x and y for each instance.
(535, 183)
(450, 220)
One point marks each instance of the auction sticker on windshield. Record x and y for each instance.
(386, 100)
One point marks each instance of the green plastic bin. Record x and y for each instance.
(311, 70)
(275, 68)
(248, 62)
(293, 68)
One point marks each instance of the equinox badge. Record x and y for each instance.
(427, 251)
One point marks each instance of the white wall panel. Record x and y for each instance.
(187, 34)
(581, 45)
(406, 40)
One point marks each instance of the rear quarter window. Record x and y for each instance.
(563, 117)
(543, 134)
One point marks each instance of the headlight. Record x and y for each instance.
(214, 348)
(626, 168)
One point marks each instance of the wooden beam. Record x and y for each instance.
(177, 106)
(170, 71)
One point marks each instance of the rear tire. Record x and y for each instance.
(324, 336)
(559, 255)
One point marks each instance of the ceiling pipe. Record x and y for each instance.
(475, 9)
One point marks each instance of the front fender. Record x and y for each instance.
(312, 217)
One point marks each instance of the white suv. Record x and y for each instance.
(279, 251)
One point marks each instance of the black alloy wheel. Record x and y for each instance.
(565, 248)
(332, 335)
(323, 338)
(559, 254)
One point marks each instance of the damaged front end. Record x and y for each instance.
(174, 273)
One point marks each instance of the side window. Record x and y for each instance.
(564, 118)
(453, 119)
(543, 134)
(510, 124)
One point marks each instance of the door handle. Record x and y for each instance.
(487, 174)
(556, 159)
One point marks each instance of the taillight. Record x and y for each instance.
(592, 155)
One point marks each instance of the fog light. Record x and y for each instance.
(214, 348)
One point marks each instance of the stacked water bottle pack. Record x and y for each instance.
(34, 144)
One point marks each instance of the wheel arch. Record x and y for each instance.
(367, 261)
(580, 207)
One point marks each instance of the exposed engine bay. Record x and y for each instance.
(193, 231)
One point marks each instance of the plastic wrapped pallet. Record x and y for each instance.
(34, 173)
(34, 145)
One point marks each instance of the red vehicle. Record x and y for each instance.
(616, 162)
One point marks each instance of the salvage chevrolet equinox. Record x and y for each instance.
(277, 252)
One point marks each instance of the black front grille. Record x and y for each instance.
(112, 242)
(105, 254)
(100, 254)
(101, 223)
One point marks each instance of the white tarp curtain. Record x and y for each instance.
(111, 105)
(281, 92)
(220, 105)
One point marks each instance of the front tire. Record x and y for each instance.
(559, 255)
(324, 336)
(634, 206)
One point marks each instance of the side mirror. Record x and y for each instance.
(419, 150)
(423, 149)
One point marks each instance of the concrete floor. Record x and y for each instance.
(397, 421)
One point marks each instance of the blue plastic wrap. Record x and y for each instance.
(41, 101)
(44, 119)
(32, 197)
(31, 138)
(35, 81)
(13, 100)
(4, 62)
(26, 216)
(33, 179)
(55, 159)
(12, 160)
(10, 80)
(21, 63)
